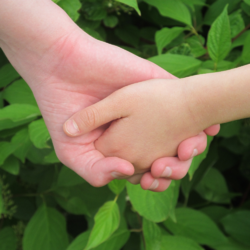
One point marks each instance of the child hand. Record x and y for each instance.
(151, 119)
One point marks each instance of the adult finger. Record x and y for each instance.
(98, 170)
(170, 168)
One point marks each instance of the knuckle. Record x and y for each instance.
(91, 116)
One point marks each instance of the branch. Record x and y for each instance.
(246, 28)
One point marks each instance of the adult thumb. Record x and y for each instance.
(92, 117)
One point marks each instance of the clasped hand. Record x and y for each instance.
(150, 119)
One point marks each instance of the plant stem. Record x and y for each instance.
(196, 33)
(246, 28)
(136, 230)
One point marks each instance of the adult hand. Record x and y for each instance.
(67, 71)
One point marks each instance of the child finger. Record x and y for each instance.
(192, 146)
(148, 182)
(170, 168)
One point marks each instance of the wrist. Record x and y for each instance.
(198, 96)
(219, 97)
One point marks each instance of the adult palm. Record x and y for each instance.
(83, 71)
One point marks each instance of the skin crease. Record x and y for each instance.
(60, 63)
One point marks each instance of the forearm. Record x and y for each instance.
(29, 29)
(219, 97)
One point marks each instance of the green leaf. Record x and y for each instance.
(117, 186)
(7, 75)
(71, 203)
(246, 8)
(8, 239)
(106, 222)
(152, 235)
(237, 225)
(68, 178)
(213, 187)
(240, 41)
(149, 204)
(215, 212)
(219, 37)
(17, 114)
(1, 100)
(5, 151)
(221, 66)
(19, 92)
(196, 226)
(231, 245)
(25, 208)
(117, 239)
(197, 47)
(51, 158)
(188, 184)
(247, 2)
(178, 243)
(194, 2)
(217, 7)
(71, 7)
(2, 210)
(230, 129)
(110, 21)
(80, 241)
(246, 50)
(199, 158)
(39, 133)
(46, 230)
(129, 35)
(236, 23)
(131, 3)
(115, 242)
(92, 198)
(205, 71)
(11, 165)
(178, 65)
(166, 35)
(172, 9)
(22, 143)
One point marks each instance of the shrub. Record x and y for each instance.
(44, 205)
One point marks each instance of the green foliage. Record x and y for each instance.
(208, 209)
(46, 230)
(219, 38)
(106, 222)
(197, 226)
(237, 225)
(176, 10)
(149, 204)
(8, 239)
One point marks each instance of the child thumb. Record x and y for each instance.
(92, 117)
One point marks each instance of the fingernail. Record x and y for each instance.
(195, 152)
(71, 127)
(167, 172)
(117, 175)
(154, 185)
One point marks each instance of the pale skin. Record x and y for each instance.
(67, 71)
(150, 123)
